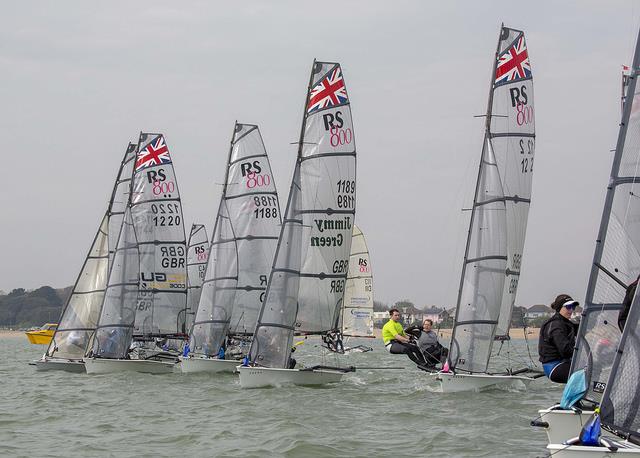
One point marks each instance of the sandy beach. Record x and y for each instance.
(8, 333)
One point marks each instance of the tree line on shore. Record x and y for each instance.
(23, 309)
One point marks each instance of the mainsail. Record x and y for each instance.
(254, 208)
(616, 260)
(157, 216)
(357, 308)
(115, 326)
(493, 255)
(197, 254)
(243, 247)
(621, 398)
(307, 281)
(213, 316)
(80, 315)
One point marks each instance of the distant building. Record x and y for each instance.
(537, 311)
(379, 318)
(435, 314)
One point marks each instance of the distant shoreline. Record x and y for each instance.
(11, 333)
(515, 333)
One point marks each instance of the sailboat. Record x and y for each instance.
(80, 314)
(493, 254)
(197, 255)
(357, 304)
(306, 284)
(618, 410)
(241, 254)
(616, 264)
(139, 319)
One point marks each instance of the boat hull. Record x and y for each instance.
(577, 451)
(57, 364)
(448, 382)
(563, 424)
(195, 364)
(40, 337)
(109, 366)
(259, 377)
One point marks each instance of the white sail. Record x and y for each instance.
(117, 316)
(512, 134)
(493, 255)
(254, 209)
(157, 215)
(219, 287)
(616, 260)
(243, 245)
(357, 309)
(306, 284)
(80, 314)
(197, 255)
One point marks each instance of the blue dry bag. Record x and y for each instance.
(574, 390)
(245, 361)
(221, 353)
(185, 351)
(590, 434)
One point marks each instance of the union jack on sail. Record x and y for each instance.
(513, 63)
(328, 92)
(156, 153)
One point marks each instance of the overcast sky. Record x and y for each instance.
(81, 79)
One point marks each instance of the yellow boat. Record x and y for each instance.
(43, 335)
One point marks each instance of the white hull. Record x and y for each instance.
(56, 364)
(577, 451)
(453, 383)
(195, 364)
(108, 366)
(258, 377)
(563, 424)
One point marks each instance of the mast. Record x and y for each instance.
(242, 246)
(306, 285)
(616, 259)
(500, 210)
(487, 130)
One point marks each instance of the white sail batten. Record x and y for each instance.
(157, 215)
(497, 230)
(357, 310)
(306, 284)
(79, 317)
(616, 260)
(197, 255)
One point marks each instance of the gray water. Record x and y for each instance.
(372, 413)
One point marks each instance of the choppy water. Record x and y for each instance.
(373, 413)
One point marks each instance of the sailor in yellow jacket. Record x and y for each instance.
(397, 342)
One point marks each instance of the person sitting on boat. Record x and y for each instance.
(626, 304)
(557, 339)
(428, 344)
(396, 341)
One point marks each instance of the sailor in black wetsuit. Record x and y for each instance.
(557, 340)
(626, 304)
